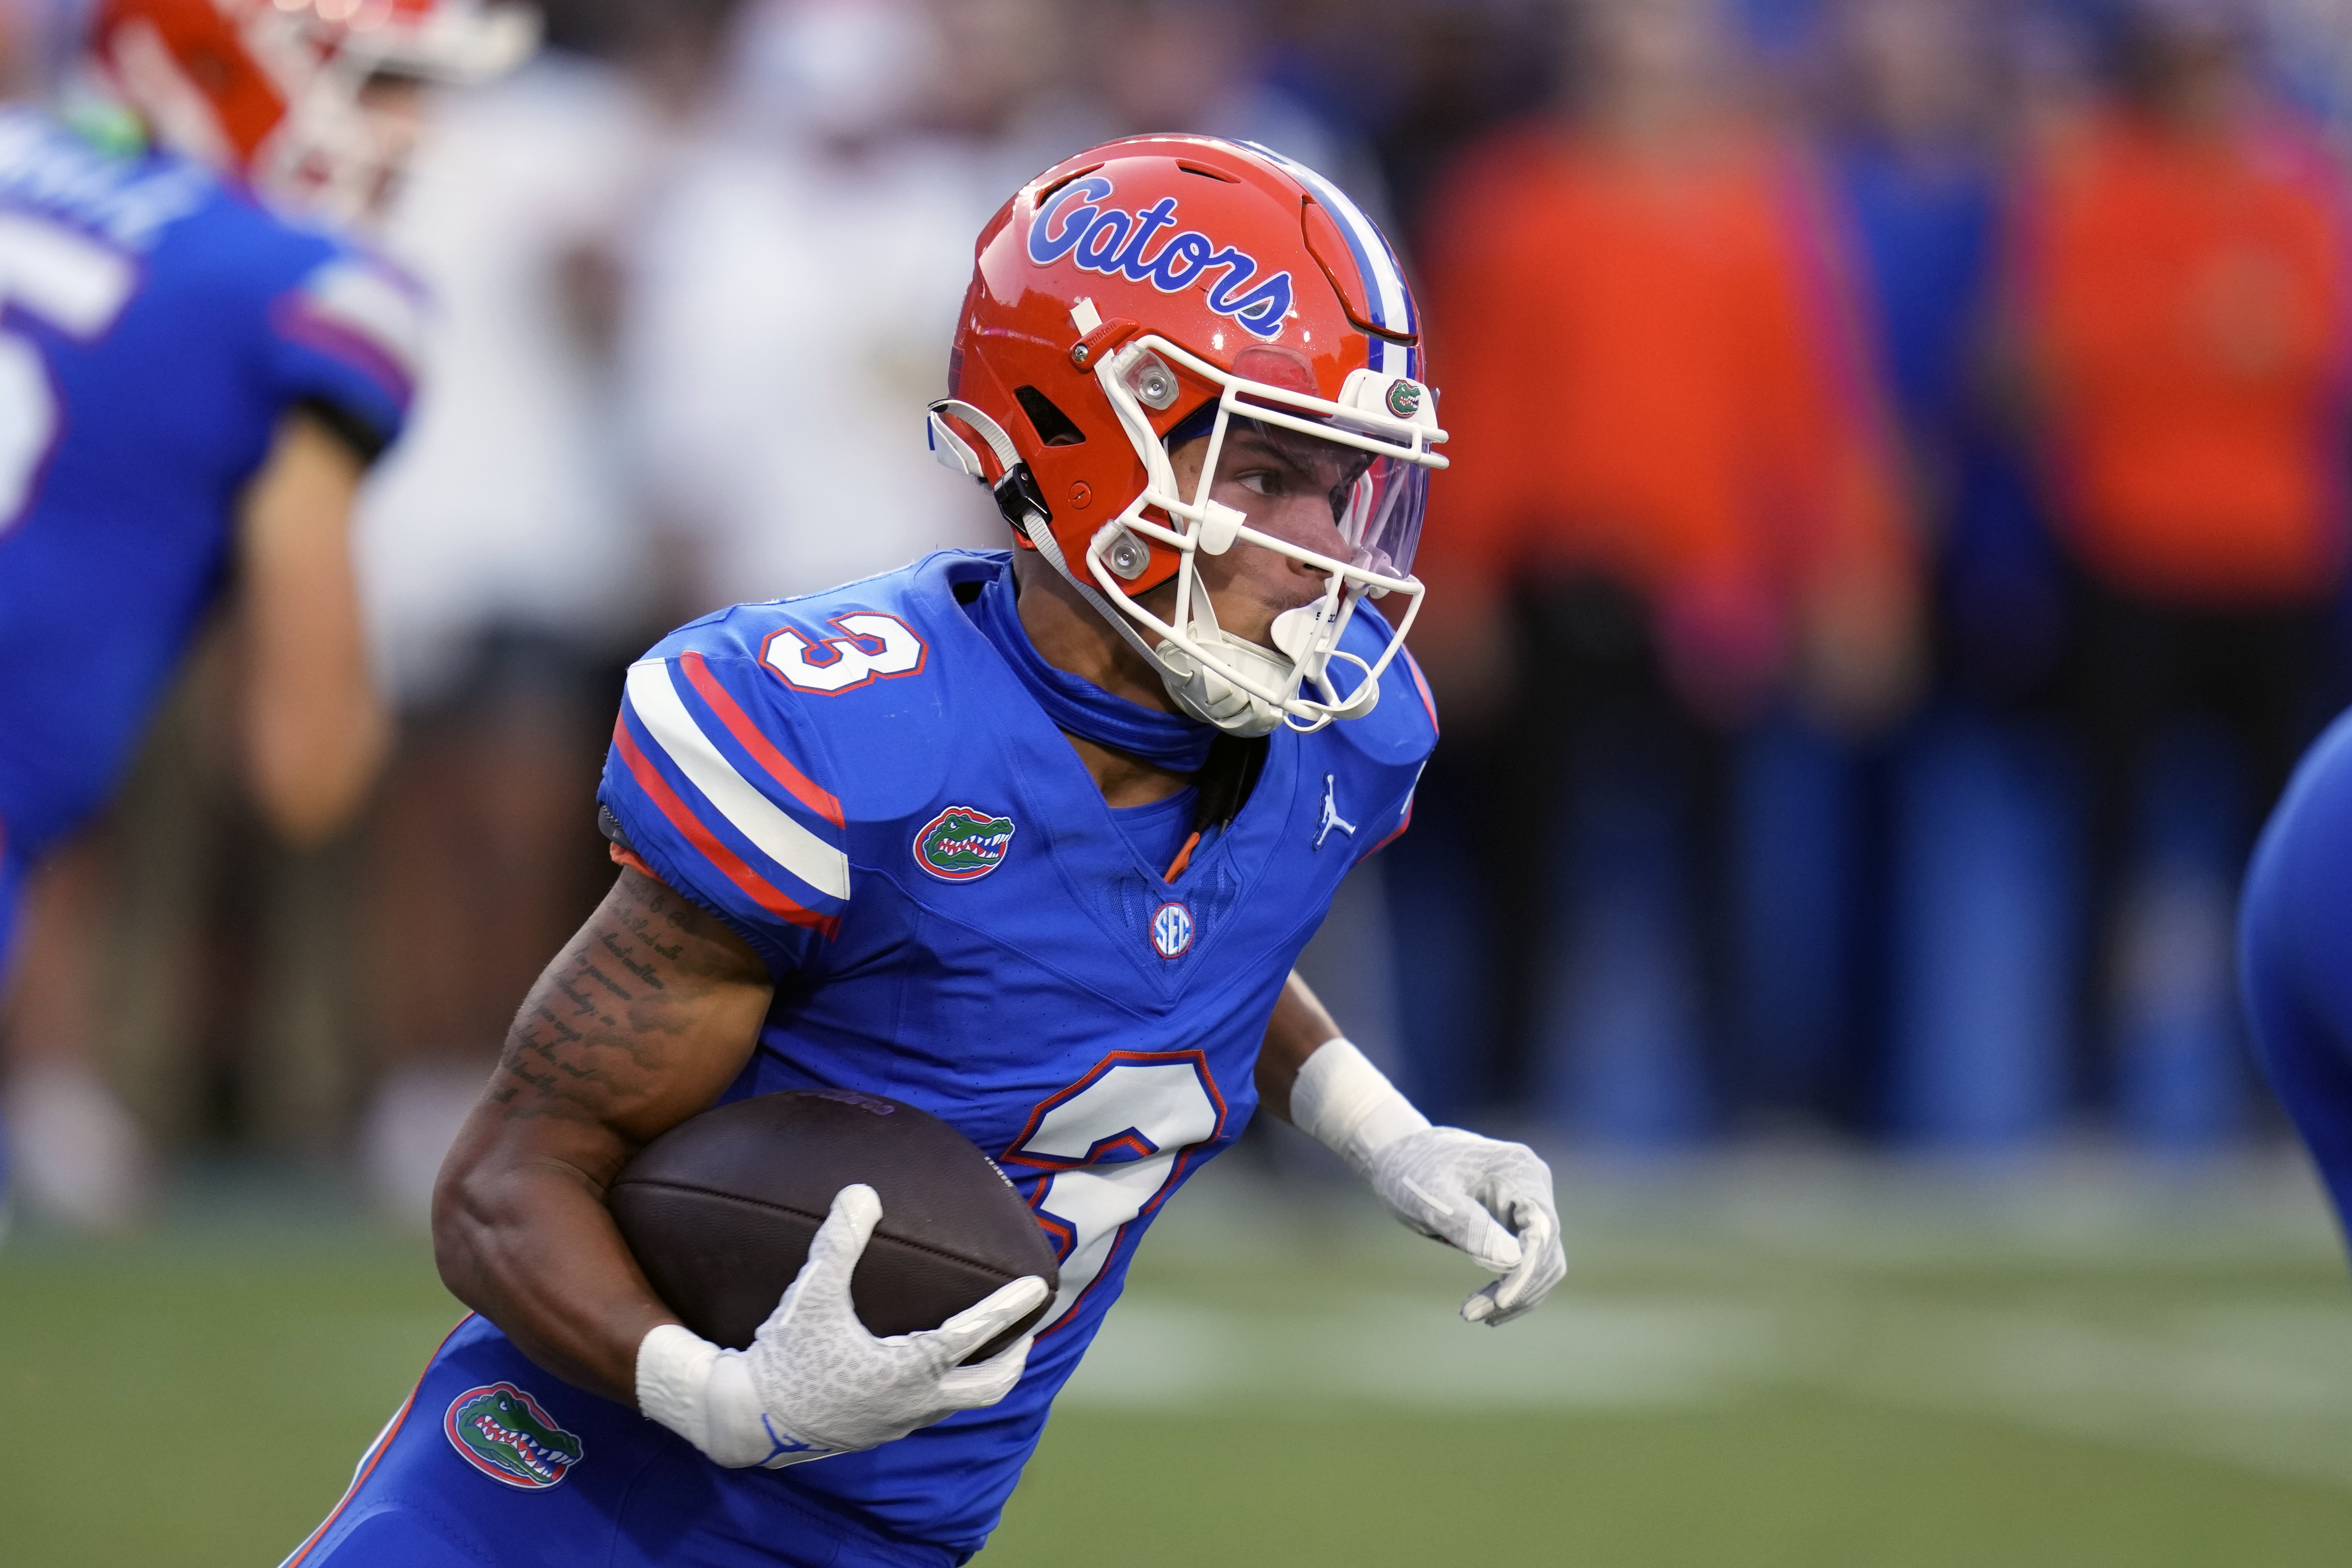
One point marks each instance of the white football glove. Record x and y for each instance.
(815, 1383)
(1489, 1198)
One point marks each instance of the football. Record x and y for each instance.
(720, 1212)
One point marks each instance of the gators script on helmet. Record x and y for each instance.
(1160, 289)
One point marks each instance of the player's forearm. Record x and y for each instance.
(641, 1021)
(311, 755)
(315, 729)
(527, 1242)
(1299, 1027)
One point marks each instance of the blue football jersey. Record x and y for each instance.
(860, 785)
(155, 324)
(2292, 921)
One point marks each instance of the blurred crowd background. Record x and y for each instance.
(1894, 549)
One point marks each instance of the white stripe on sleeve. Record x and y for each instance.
(758, 818)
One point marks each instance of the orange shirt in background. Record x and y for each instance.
(2184, 303)
(1647, 375)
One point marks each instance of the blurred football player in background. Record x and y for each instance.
(506, 557)
(193, 382)
(1205, 64)
(2297, 988)
(1031, 840)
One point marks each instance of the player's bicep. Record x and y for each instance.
(648, 1013)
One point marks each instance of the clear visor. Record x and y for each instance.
(1377, 499)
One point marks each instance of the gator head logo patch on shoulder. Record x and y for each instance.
(961, 844)
(502, 1432)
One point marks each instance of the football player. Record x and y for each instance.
(192, 383)
(1029, 839)
(2292, 921)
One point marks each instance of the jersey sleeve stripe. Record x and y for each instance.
(759, 889)
(738, 724)
(369, 315)
(1420, 684)
(1393, 834)
(652, 696)
(298, 323)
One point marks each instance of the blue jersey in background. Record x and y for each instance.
(2295, 939)
(860, 785)
(155, 326)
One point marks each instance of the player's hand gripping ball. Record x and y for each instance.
(815, 1380)
(951, 1267)
(720, 1212)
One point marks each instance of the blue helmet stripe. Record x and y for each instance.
(1392, 302)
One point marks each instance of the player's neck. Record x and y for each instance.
(1071, 636)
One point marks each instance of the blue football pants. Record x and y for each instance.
(616, 1490)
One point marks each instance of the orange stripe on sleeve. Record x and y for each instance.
(624, 856)
(738, 724)
(1396, 833)
(762, 891)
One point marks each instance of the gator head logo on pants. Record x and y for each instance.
(502, 1432)
(961, 844)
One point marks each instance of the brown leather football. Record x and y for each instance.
(720, 1209)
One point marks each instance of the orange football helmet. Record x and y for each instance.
(268, 91)
(1158, 288)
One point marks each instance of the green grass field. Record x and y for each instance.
(1764, 1362)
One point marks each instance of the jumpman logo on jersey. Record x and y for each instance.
(1331, 817)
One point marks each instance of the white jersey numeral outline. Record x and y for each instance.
(1116, 1142)
(76, 285)
(876, 647)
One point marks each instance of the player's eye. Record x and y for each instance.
(1271, 483)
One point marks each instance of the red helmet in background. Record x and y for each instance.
(268, 91)
(1159, 288)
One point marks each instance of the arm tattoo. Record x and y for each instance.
(643, 972)
(586, 1045)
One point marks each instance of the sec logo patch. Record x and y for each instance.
(1171, 929)
(502, 1432)
(961, 844)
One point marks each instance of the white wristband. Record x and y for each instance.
(674, 1366)
(1344, 1103)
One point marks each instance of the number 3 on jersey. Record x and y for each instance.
(877, 648)
(1116, 1142)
